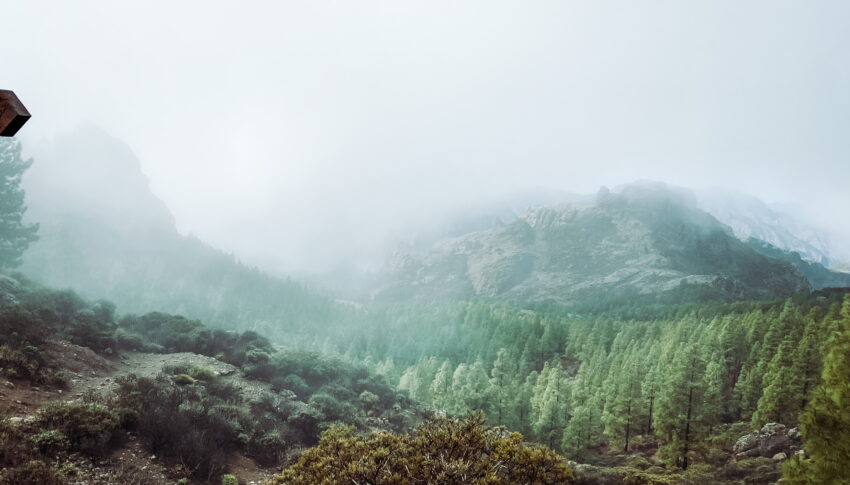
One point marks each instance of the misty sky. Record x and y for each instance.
(275, 128)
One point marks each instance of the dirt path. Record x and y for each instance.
(88, 372)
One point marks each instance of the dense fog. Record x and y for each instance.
(305, 135)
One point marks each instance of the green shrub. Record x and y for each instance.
(51, 442)
(89, 428)
(35, 472)
(229, 480)
(180, 422)
(25, 363)
(183, 379)
(194, 371)
(13, 444)
(201, 373)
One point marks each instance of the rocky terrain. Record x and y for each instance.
(773, 440)
(90, 376)
(647, 239)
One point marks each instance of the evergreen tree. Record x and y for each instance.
(441, 387)
(713, 399)
(549, 425)
(621, 409)
(826, 420)
(780, 400)
(15, 235)
(500, 381)
(679, 412)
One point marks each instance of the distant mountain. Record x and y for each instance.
(817, 275)
(647, 240)
(749, 217)
(106, 235)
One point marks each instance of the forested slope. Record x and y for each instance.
(117, 240)
(684, 384)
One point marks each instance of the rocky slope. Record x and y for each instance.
(751, 218)
(817, 275)
(647, 239)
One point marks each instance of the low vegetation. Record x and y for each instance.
(443, 451)
(191, 417)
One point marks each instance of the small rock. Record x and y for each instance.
(800, 453)
(780, 457)
(771, 429)
(8, 385)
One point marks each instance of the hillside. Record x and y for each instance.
(646, 240)
(751, 218)
(817, 275)
(117, 240)
(87, 396)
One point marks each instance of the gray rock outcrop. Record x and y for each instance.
(772, 440)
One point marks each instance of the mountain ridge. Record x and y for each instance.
(118, 241)
(649, 238)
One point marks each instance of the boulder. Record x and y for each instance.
(771, 429)
(780, 457)
(771, 440)
(772, 444)
(746, 443)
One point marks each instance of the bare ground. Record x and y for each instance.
(90, 373)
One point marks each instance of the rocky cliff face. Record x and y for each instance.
(749, 217)
(647, 239)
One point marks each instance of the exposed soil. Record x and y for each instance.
(90, 373)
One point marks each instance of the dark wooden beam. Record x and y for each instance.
(13, 114)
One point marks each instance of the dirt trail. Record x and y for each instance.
(91, 373)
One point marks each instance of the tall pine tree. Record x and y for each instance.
(15, 235)
(826, 420)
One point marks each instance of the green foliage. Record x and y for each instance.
(15, 235)
(51, 442)
(229, 480)
(181, 422)
(826, 420)
(442, 451)
(91, 429)
(183, 379)
(582, 383)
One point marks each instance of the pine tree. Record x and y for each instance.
(825, 422)
(649, 390)
(549, 425)
(713, 398)
(522, 403)
(779, 401)
(441, 387)
(457, 404)
(679, 411)
(621, 408)
(500, 376)
(15, 235)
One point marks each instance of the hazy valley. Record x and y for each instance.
(641, 337)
